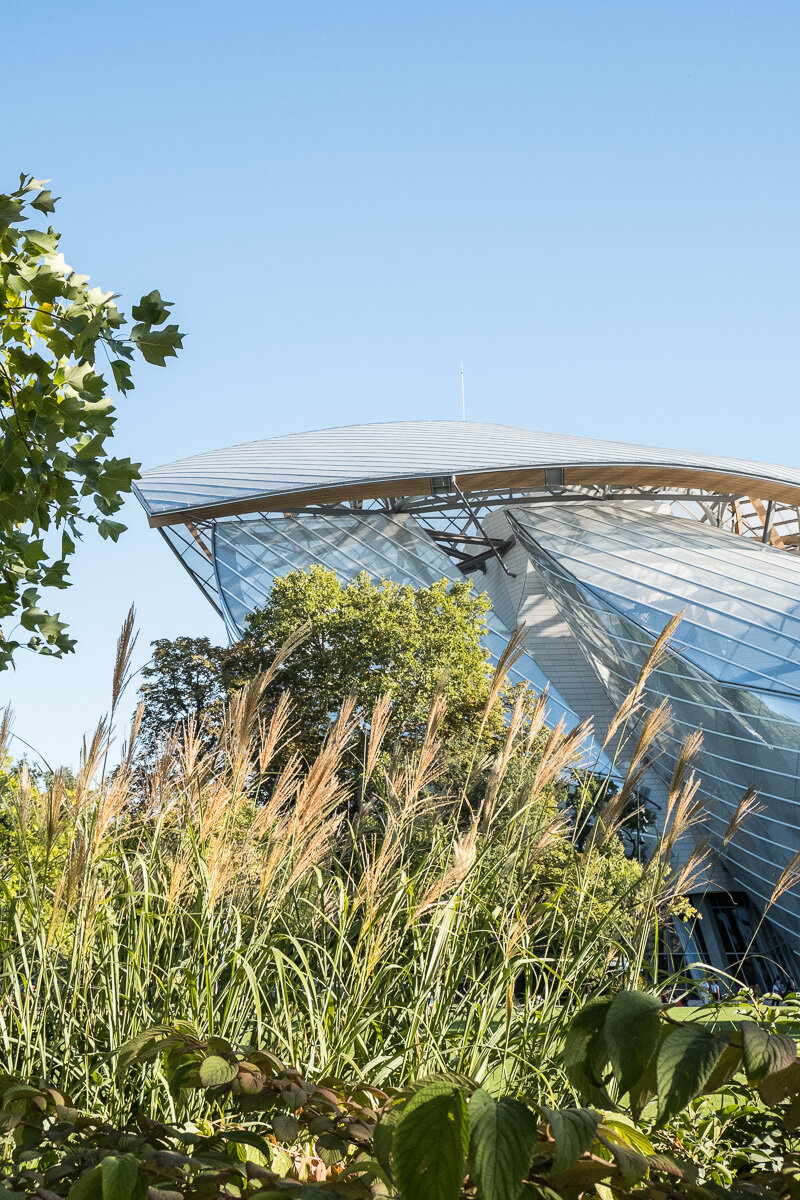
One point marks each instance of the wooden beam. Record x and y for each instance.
(761, 513)
(619, 474)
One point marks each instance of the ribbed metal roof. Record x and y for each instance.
(394, 451)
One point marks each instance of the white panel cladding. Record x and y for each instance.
(523, 600)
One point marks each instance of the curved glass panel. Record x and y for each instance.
(250, 553)
(595, 563)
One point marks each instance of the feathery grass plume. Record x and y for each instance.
(91, 755)
(512, 652)
(536, 721)
(561, 752)
(686, 813)
(630, 705)
(129, 745)
(126, 643)
(378, 728)
(24, 797)
(684, 768)
(425, 767)
(501, 762)
(612, 816)
(6, 721)
(692, 876)
(271, 734)
(240, 719)
(463, 860)
(747, 807)
(789, 878)
(53, 810)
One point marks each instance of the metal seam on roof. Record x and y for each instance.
(368, 454)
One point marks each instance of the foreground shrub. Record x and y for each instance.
(267, 1131)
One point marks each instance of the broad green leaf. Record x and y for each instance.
(586, 1053)
(729, 1063)
(765, 1053)
(776, 1087)
(503, 1134)
(121, 1179)
(430, 1144)
(151, 309)
(574, 1130)
(44, 202)
(632, 1027)
(89, 1186)
(686, 1059)
(157, 345)
(215, 1071)
(285, 1127)
(383, 1137)
(122, 375)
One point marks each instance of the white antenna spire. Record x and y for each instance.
(463, 404)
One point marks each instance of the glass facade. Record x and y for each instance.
(733, 668)
(250, 553)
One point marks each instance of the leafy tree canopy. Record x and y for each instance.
(57, 412)
(362, 639)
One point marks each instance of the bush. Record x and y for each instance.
(267, 1131)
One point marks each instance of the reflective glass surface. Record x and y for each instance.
(617, 576)
(250, 553)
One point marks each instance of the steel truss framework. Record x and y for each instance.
(453, 519)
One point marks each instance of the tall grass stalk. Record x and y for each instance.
(389, 934)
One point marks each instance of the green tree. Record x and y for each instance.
(362, 639)
(183, 678)
(366, 640)
(57, 413)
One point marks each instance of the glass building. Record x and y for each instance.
(591, 546)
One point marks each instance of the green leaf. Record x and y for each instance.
(686, 1059)
(151, 309)
(503, 1134)
(121, 1179)
(157, 345)
(215, 1071)
(285, 1127)
(383, 1137)
(110, 529)
(430, 1144)
(586, 1053)
(574, 1130)
(632, 1027)
(774, 1088)
(44, 202)
(122, 375)
(89, 1186)
(765, 1053)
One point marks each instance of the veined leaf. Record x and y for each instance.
(631, 1030)
(121, 1178)
(503, 1134)
(574, 1130)
(765, 1053)
(586, 1053)
(686, 1059)
(215, 1071)
(430, 1144)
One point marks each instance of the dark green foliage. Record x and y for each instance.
(56, 413)
(442, 1139)
(361, 639)
(503, 1135)
(183, 679)
(429, 1151)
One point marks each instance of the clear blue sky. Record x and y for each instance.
(593, 203)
